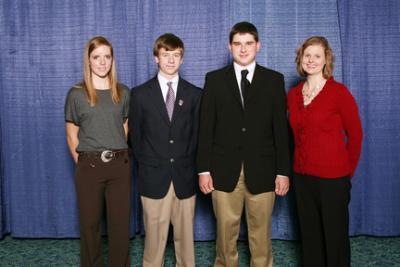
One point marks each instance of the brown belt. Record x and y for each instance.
(106, 155)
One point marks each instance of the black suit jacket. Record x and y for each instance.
(165, 150)
(256, 135)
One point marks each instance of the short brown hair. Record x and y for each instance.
(243, 27)
(169, 42)
(329, 56)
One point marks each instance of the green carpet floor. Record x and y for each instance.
(366, 251)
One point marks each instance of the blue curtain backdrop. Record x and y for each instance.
(41, 45)
(370, 34)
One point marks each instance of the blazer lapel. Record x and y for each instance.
(180, 99)
(233, 85)
(157, 98)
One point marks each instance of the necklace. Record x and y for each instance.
(309, 95)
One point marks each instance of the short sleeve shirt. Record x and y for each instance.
(100, 127)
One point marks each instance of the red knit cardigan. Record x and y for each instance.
(327, 132)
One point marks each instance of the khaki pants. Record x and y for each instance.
(158, 214)
(228, 209)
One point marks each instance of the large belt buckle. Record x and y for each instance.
(107, 156)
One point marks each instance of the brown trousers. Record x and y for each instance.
(158, 214)
(228, 208)
(98, 182)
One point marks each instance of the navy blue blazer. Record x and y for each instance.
(165, 150)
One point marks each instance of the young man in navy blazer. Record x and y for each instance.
(243, 155)
(163, 126)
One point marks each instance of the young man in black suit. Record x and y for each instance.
(243, 155)
(163, 126)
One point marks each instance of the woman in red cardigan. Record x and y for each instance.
(327, 132)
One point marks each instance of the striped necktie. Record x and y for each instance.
(170, 100)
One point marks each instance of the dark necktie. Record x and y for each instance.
(244, 85)
(170, 100)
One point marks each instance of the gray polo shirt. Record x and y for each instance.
(101, 126)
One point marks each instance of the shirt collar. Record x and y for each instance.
(163, 84)
(238, 69)
(163, 81)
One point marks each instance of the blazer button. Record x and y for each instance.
(243, 129)
(171, 160)
(171, 141)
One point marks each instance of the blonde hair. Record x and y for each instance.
(329, 56)
(87, 83)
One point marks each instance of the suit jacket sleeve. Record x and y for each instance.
(206, 128)
(196, 121)
(280, 128)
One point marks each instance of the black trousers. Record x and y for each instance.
(322, 206)
(98, 183)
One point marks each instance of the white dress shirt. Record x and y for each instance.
(238, 73)
(164, 86)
